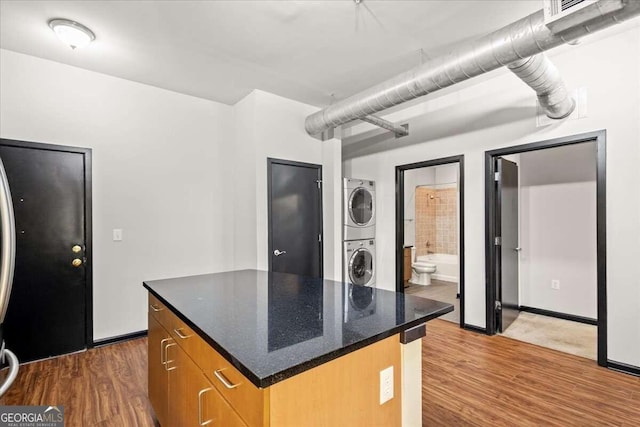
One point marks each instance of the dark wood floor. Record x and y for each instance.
(105, 386)
(468, 379)
(473, 379)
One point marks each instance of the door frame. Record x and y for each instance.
(270, 162)
(599, 137)
(400, 170)
(498, 259)
(88, 224)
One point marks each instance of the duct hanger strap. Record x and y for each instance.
(398, 130)
(539, 73)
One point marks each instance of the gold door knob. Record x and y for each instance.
(76, 262)
(76, 249)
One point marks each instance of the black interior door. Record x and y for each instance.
(46, 315)
(507, 250)
(295, 218)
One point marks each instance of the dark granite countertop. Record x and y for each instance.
(272, 326)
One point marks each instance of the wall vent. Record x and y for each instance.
(567, 4)
(563, 15)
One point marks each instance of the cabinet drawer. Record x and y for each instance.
(219, 410)
(247, 399)
(187, 338)
(159, 312)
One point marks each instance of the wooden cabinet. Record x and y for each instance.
(193, 400)
(247, 399)
(191, 384)
(179, 391)
(185, 384)
(406, 268)
(157, 341)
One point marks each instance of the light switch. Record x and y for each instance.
(117, 234)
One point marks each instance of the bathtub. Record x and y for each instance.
(447, 267)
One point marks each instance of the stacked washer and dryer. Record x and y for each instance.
(359, 232)
(359, 219)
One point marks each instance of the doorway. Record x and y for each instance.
(430, 231)
(555, 245)
(50, 308)
(295, 217)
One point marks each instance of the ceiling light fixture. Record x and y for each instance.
(72, 33)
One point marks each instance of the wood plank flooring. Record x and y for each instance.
(469, 379)
(105, 386)
(475, 380)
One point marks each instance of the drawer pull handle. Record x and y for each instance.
(155, 308)
(202, 423)
(166, 357)
(223, 380)
(180, 334)
(163, 358)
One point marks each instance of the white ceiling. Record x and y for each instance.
(222, 50)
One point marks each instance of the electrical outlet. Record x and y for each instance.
(386, 384)
(117, 234)
(555, 284)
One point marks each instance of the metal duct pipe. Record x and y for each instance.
(524, 38)
(542, 76)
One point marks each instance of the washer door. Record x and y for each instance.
(361, 206)
(361, 267)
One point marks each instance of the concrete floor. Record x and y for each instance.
(558, 334)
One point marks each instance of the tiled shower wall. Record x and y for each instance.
(436, 220)
(425, 218)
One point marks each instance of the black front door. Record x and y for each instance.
(507, 250)
(47, 312)
(295, 217)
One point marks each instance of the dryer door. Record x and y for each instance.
(361, 206)
(361, 267)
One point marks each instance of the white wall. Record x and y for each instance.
(498, 110)
(242, 179)
(185, 178)
(447, 174)
(268, 125)
(558, 229)
(332, 206)
(157, 174)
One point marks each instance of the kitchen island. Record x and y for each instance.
(254, 348)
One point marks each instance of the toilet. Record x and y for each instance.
(421, 271)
